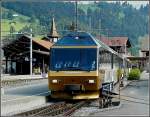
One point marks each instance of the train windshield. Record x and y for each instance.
(73, 59)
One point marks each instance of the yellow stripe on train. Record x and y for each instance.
(74, 46)
(73, 73)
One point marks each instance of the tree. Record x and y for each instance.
(121, 19)
(24, 29)
(72, 26)
(12, 27)
(32, 19)
(10, 15)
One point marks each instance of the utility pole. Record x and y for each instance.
(124, 60)
(148, 65)
(107, 31)
(1, 56)
(119, 87)
(76, 9)
(31, 51)
(99, 22)
(90, 22)
(99, 27)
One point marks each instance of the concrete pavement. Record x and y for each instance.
(144, 75)
(13, 77)
(22, 98)
(137, 106)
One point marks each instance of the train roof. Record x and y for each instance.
(82, 39)
(76, 39)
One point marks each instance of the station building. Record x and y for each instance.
(17, 53)
(119, 44)
(122, 45)
(142, 61)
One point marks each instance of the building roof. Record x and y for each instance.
(41, 52)
(20, 46)
(137, 58)
(44, 43)
(115, 41)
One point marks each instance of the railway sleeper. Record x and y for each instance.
(31, 112)
(47, 109)
(56, 111)
(75, 107)
(50, 109)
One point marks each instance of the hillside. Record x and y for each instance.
(120, 19)
(85, 7)
(19, 22)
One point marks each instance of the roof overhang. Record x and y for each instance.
(138, 58)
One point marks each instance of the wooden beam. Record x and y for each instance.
(41, 52)
(19, 47)
(13, 48)
(22, 42)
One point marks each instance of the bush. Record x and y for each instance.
(134, 74)
(119, 73)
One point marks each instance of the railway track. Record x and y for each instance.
(56, 109)
(65, 108)
(19, 82)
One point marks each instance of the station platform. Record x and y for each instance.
(18, 99)
(12, 104)
(144, 76)
(13, 77)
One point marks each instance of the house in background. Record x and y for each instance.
(144, 52)
(119, 44)
(144, 47)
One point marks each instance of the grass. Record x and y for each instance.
(5, 26)
(20, 20)
(39, 37)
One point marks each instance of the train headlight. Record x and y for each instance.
(54, 81)
(91, 81)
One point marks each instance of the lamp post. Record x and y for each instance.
(31, 51)
(1, 60)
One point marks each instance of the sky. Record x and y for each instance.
(135, 4)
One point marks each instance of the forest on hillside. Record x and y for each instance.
(114, 19)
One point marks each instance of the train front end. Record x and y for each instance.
(73, 72)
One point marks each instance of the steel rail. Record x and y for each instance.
(74, 108)
(59, 109)
(40, 110)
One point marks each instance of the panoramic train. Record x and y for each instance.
(80, 64)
